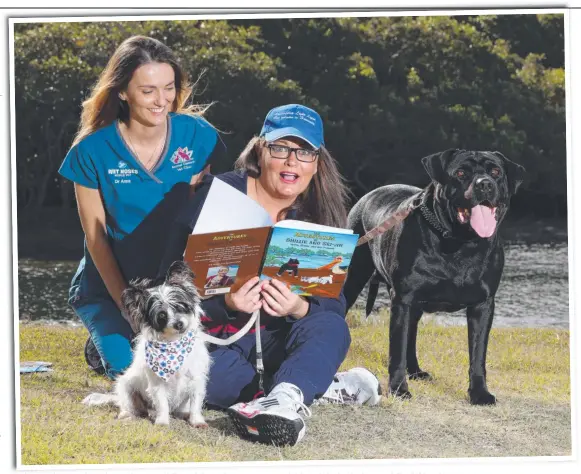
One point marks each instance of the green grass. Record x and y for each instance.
(527, 362)
(528, 371)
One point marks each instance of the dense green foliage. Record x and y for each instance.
(390, 89)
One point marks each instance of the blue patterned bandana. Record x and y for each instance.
(165, 358)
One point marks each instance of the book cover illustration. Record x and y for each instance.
(310, 262)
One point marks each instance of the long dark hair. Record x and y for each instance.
(104, 105)
(326, 198)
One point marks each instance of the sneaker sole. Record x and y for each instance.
(94, 362)
(267, 429)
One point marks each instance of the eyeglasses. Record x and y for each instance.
(283, 152)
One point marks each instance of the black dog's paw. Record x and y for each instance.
(481, 397)
(420, 375)
(400, 392)
(403, 394)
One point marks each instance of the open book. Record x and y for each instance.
(235, 239)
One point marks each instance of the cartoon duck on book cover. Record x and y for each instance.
(310, 262)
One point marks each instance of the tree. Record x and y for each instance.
(390, 90)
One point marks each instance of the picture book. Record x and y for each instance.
(235, 239)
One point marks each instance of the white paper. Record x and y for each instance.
(292, 224)
(227, 209)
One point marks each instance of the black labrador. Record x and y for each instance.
(445, 256)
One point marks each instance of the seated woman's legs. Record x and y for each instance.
(302, 358)
(110, 332)
(305, 353)
(232, 376)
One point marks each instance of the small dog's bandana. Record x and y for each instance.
(165, 358)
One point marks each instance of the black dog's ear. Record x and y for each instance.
(514, 172)
(437, 163)
(178, 273)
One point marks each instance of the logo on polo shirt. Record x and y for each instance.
(122, 174)
(181, 155)
(182, 158)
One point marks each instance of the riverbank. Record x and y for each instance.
(56, 234)
(528, 370)
(534, 291)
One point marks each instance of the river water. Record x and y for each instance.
(534, 291)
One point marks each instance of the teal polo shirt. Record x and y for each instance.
(139, 204)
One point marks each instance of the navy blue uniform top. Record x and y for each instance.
(139, 204)
(221, 321)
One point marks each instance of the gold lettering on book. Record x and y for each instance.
(316, 235)
(230, 237)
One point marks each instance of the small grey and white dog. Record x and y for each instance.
(170, 364)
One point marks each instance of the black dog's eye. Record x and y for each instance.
(460, 173)
(495, 172)
(162, 316)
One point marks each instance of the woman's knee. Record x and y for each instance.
(115, 351)
(117, 362)
(113, 372)
(110, 333)
(327, 325)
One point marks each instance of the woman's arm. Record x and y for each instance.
(175, 247)
(198, 178)
(92, 215)
(184, 223)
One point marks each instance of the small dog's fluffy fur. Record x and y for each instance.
(165, 311)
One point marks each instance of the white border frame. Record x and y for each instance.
(451, 465)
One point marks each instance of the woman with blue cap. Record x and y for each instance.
(290, 173)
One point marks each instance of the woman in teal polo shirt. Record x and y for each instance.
(138, 151)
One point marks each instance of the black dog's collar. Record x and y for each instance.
(433, 221)
(418, 201)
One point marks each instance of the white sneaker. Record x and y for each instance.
(273, 419)
(357, 386)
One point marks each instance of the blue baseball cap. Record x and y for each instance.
(294, 120)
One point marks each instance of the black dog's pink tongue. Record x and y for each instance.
(482, 220)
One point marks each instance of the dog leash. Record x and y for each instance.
(387, 224)
(238, 335)
(254, 319)
(418, 202)
(259, 363)
(395, 218)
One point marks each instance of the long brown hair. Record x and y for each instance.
(104, 106)
(326, 198)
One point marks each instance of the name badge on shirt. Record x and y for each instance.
(122, 174)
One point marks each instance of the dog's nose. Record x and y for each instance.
(484, 185)
(179, 325)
